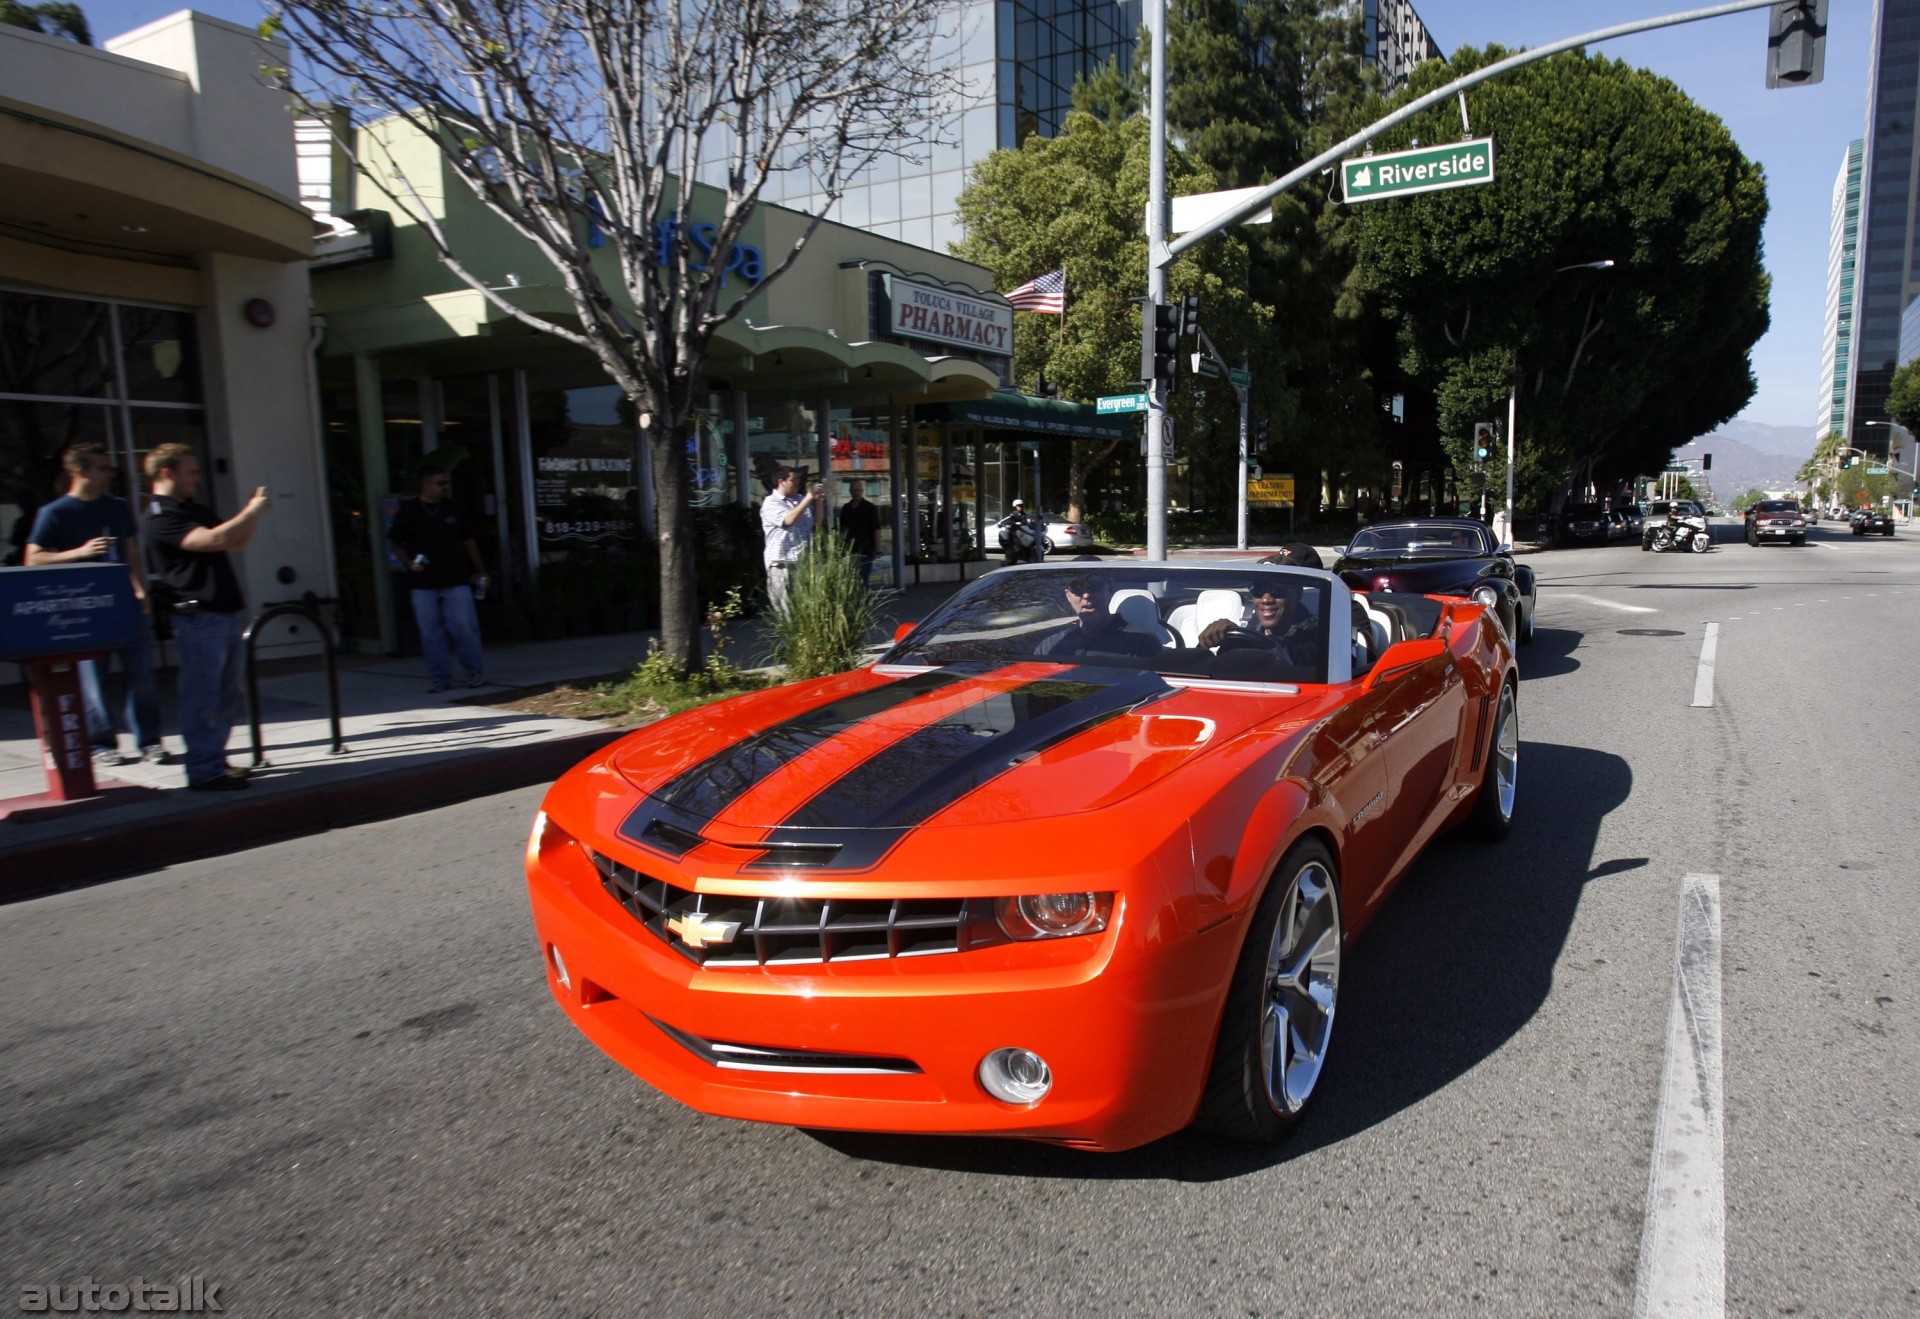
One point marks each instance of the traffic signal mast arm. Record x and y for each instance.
(1333, 155)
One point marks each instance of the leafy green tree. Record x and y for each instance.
(1615, 368)
(1903, 397)
(1262, 86)
(1742, 502)
(1078, 202)
(55, 18)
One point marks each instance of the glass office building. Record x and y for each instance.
(1887, 279)
(1396, 39)
(1017, 60)
(1843, 248)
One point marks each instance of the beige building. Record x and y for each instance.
(872, 360)
(153, 278)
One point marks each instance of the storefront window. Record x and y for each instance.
(160, 354)
(860, 458)
(585, 446)
(31, 438)
(786, 439)
(55, 346)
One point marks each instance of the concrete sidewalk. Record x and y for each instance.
(406, 750)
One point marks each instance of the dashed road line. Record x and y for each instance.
(1683, 1271)
(1703, 676)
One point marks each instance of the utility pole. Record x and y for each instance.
(1157, 261)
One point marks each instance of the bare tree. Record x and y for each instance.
(567, 117)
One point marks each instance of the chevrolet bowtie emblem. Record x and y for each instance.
(696, 931)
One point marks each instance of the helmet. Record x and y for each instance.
(1019, 503)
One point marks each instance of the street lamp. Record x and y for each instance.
(1513, 399)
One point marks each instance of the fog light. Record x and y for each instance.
(559, 966)
(1016, 1076)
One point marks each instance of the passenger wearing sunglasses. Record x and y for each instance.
(1096, 630)
(1278, 620)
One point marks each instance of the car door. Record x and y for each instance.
(1420, 719)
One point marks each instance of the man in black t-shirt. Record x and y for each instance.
(860, 523)
(1095, 630)
(187, 549)
(430, 536)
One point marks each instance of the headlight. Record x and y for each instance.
(1488, 597)
(546, 837)
(1053, 915)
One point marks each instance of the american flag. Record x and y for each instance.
(1047, 293)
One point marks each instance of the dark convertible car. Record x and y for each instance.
(1442, 556)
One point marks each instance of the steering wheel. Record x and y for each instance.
(1240, 638)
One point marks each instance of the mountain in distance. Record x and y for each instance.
(1751, 455)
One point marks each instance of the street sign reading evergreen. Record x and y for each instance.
(1120, 403)
(1424, 169)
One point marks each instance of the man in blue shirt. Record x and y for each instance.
(88, 525)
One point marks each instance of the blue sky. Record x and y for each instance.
(1799, 136)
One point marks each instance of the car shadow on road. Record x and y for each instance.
(1550, 653)
(1459, 959)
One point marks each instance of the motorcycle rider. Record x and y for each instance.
(1026, 535)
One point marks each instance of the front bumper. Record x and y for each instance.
(1778, 531)
(1125, 1020)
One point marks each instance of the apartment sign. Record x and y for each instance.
(1424, 169)
(909, 309)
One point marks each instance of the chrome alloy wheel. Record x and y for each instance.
(1302, 984)
(1506, 752)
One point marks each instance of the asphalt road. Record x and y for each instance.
(326, 1075)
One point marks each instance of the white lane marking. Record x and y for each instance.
(1683, 1268)
(1703, 677)
(1612, 604)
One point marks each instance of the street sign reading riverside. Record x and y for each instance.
(1424, 169)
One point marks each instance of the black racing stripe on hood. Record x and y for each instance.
(716, 782)
(916, 777)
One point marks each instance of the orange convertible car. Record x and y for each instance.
(1076, 860)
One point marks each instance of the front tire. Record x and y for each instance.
(1526, 628)
(1799, 540)
(1702, 542)
(1278, 1021)
(1492, 816)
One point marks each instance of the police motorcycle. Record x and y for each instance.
(1679, 532)
(1022, 537)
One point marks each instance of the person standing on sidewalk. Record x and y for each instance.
(187, 549)
(430, 535)
(786, 524)
(88, 525)
(859, 522)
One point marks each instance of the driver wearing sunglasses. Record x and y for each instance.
(1277, 618)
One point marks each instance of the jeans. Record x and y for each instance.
(212, 663)
(447, 615)
(142, 712)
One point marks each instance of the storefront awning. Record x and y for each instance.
(1033, 416)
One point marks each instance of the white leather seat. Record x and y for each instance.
(1213, 606)
(1372, 634)
(1140, 614)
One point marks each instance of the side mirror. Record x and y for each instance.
(1506, 547)
(900, 633)
(1401, 658)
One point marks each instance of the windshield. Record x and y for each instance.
(1441, 539)
(1257, 624)
(1777, 506)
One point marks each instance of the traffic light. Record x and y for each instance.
(1797, 43)
(1706, 462)
(1159, 345)
(1482, 441)
(1846, 460)
(1189, 315)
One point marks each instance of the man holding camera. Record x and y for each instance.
(786, 524)
(187, 549)
(88, 525)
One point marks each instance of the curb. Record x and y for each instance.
(42, 868)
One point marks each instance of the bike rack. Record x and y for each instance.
(304, 609)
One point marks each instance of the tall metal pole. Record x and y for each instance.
(1241, 502)
(1156, 276)
(1513, 411)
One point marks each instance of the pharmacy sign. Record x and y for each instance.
(1424, 169)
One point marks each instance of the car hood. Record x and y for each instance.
(956, 746)
(1420, 572)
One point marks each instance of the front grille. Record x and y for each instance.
(785, 931)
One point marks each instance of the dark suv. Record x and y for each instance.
(1776, 519)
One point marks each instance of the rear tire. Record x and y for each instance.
(1278, 1021)
(1492, 816)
